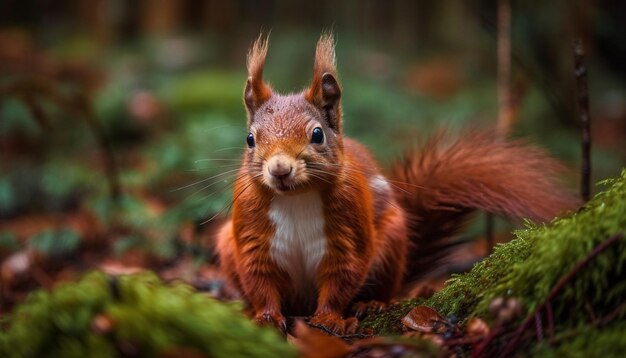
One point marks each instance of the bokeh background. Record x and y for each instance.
(121, 120)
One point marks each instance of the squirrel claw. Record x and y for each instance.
(333, 322)
(361, 309)
(265, 318)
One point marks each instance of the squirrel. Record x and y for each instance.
(316, 226)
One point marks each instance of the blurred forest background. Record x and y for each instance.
(111, 110)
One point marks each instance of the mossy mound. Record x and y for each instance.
(133, 315)
(585, 341)
(529, 266)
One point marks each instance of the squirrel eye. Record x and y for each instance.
(250, 140)
(318, 136)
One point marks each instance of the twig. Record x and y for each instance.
(41, 277)
(582, 91)
(505, 103)
(463, 341)
(489, 239)
(550, 315)
(539, 326)
(36, 111)
(344, 337)
(611, 316)
(505, 108)
(114, 287)
(88, 115)
(513, 344)
(495, 331)
(592, 315)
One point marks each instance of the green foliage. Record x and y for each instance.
(123, 244)
(16, 118)
(55, 242)
(211, 90)
(152, 232)
(144, 313)
(61, 179)
(7, 195)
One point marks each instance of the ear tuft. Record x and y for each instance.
(256, 91)
(324, 91)
(325, 55)
(256, 56)
(324, 64)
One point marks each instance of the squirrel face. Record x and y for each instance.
(291, 147)
(294, 141)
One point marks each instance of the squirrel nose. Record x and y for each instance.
(280, 170)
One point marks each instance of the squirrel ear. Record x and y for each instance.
(324, 91)
(256, 91)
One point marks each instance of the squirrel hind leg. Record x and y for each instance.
(386, 276)
(226, 255)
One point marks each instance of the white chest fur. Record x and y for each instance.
(299, 244)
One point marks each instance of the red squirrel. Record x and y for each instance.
(316, 226)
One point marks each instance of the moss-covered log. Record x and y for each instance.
(133, 316)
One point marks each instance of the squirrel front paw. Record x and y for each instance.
(332, 322)
(271, 317)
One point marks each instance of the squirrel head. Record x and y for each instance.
(294, 141)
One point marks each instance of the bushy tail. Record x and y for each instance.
(443, 183)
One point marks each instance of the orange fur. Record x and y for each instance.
(376, 232)
(324, 63)
(257, 91)
(446, 180)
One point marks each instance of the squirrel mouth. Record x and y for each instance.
(284, 186)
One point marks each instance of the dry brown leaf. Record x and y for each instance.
(313, 343)
(424, 319)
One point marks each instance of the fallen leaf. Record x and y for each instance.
(313, 343)
(424, 319)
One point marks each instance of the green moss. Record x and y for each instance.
(586, 341)
(529, 267)
(147, 315)
(388, 322)
(463, 293)
(557, 248)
